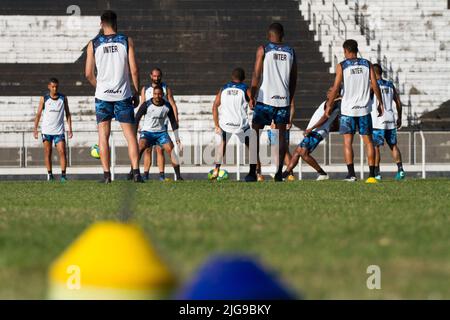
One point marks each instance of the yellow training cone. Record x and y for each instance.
(110, 260)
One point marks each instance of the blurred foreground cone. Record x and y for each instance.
(234, 277)
(110, 260)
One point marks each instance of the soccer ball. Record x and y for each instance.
(95, 151)
(223, 175)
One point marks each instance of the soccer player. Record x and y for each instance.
(385, 127)
(52, 107)
(147, 94)
(154, 129)
(272, 136)
(233, 100)
(318, 129)
(272, 92)
(113, 55)
(358, 78)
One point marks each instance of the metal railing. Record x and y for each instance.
(417, 149)
(339, 23)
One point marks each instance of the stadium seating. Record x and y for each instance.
(196, 42)
(410, 38)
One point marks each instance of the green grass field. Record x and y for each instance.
(319, 237)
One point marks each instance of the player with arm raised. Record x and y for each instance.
(113, 56)
(52, 108)
(358, 78)
(385, 127)
(272, 92)
(154, 129)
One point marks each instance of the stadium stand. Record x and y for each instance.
(409, 38)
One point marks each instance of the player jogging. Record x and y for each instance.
(154, 129)
(385, 127)
(113, 55)
(318, 129)
(230, 113)
(358, 78)
(272, 92)
(147, 94)
(52, 108)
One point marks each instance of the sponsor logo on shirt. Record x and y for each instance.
(359, 107)
(111, 91)
(280, 57)
(279, 98)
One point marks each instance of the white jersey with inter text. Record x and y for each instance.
(356, 98)
(233, 111)
(387, 121)
(278, 61)
(113, 72)
(53, 115)
(324, 129)
(156, 117)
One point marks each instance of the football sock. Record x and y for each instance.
(162, 175)
(351, 170)
(107, 175)
(136, 172)
(321, 172)
(252, 170)
(400, 166)
(63, 173)
(177, 171)
(377, 170)
(218, 166)
(146, 174)
(372, 171)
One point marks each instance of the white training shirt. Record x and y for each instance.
(233, 111)
(278, 61)
(113, 72)
(356, 98)
(324, 130)
(53, 115)
(387, 121)
(156, 117)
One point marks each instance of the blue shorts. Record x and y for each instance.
(156, 138)
(273, 137)
(311, 141)
(122, 111)
(264, 114)
(55, 138)
(380, 135)
(348, 125)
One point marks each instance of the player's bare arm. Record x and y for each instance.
(398, 103)
(334, 90)
(376, 91)
(142, 111)
(90, 65)
(291, 115)
(293, 80)
(142, 98)
(173, 103)
(68, 117)
(215, 111)
(38, 117)
(134, 70)
(256, 78)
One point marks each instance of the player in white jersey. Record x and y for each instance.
(113, 56)
(52, 108)
(272, 92)
(358, 78)
(318, 129)
(230, 114)
(147, 94)
(385, 127)
(154, 129)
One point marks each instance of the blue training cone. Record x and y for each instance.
(233, 277)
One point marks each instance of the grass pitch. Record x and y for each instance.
(319, 237)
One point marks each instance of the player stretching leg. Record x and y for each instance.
(385, 128)
(112, 54)
(233, 101)
(147, 94)
(358, 78)
(154, 129)
(272, 97)
(318, 129)
(52, 108)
